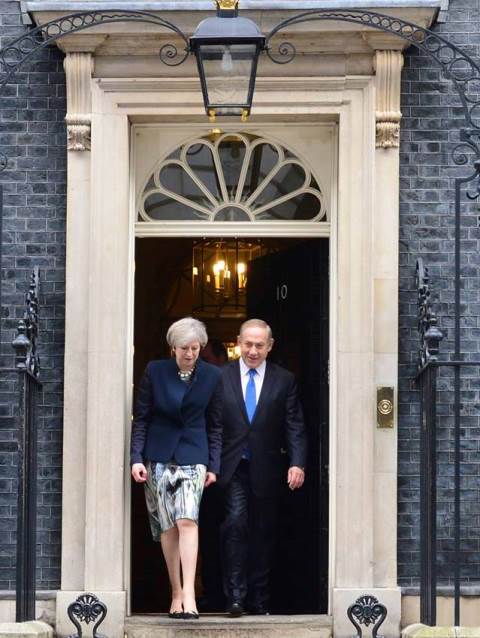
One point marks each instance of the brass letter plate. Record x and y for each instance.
(385, 407)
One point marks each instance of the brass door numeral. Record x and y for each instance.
(385, 412)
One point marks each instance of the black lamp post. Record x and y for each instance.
(227, 48)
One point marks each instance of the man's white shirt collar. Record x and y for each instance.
(244, 369)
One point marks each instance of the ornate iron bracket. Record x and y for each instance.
(87, 608)
(469, 146)
(25, 343)
(456, 65)
(366, 610)
(430, 334)
(15, 54)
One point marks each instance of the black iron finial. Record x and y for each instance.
(25, 342)
(21, 344)
(429, 332)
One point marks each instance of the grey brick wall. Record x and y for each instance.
(32, 134)
(429, 133)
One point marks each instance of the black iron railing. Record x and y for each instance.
(440, 470)
(29, 386)
(430, 337)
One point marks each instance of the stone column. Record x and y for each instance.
(388, 66)
(366, 542)
(380, 573)
(106, 315)
(94, 412)
(78, 69)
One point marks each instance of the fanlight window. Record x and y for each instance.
(232, 177)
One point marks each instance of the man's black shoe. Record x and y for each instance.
(235, 609)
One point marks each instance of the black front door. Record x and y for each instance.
(289, 290)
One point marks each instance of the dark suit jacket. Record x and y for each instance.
(277, 425)
(174, 419)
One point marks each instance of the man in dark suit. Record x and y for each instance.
(262, 418)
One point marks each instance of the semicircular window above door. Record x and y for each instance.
(232, 177)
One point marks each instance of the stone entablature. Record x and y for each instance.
(324, 48)
(249, 5)
(346, 46)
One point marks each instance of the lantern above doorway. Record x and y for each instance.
(227, 48)
(219, 276)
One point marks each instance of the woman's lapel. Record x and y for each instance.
(199, 368)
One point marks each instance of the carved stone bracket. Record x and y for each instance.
(388, 67)
(78, 69)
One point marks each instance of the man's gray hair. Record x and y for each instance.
(186, 330)
(256, 323)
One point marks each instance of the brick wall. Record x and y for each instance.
(429, 133)
(32, 134)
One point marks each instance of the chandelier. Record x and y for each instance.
(219, 276)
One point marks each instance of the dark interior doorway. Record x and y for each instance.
(287, 285)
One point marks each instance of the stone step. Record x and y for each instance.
(222, 626)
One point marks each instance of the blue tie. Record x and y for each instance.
(251, 395)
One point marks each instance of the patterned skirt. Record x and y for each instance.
(171, 492)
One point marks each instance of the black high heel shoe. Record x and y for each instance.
(177, 615)
(191, 615)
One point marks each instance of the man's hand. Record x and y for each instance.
(139, 472)
(295, 477)
(210, 478)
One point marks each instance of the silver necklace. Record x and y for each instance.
(185, 375)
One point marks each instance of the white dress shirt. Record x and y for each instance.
(258, 378)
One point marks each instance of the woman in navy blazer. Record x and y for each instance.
(175, 451)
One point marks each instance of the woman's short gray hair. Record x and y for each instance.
(186, 330)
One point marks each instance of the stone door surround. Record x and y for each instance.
(99, 333)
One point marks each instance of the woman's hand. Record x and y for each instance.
(210, 478)
(139, 472)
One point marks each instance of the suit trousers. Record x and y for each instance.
(248, 541)
(211, 516)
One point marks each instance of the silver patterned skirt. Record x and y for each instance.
(171, 492)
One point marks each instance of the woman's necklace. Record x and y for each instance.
(185, 375)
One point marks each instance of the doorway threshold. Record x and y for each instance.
(215, 625)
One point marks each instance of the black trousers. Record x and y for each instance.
(211, 516)
(248, 541)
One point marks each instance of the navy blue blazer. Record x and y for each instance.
(176, 420)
